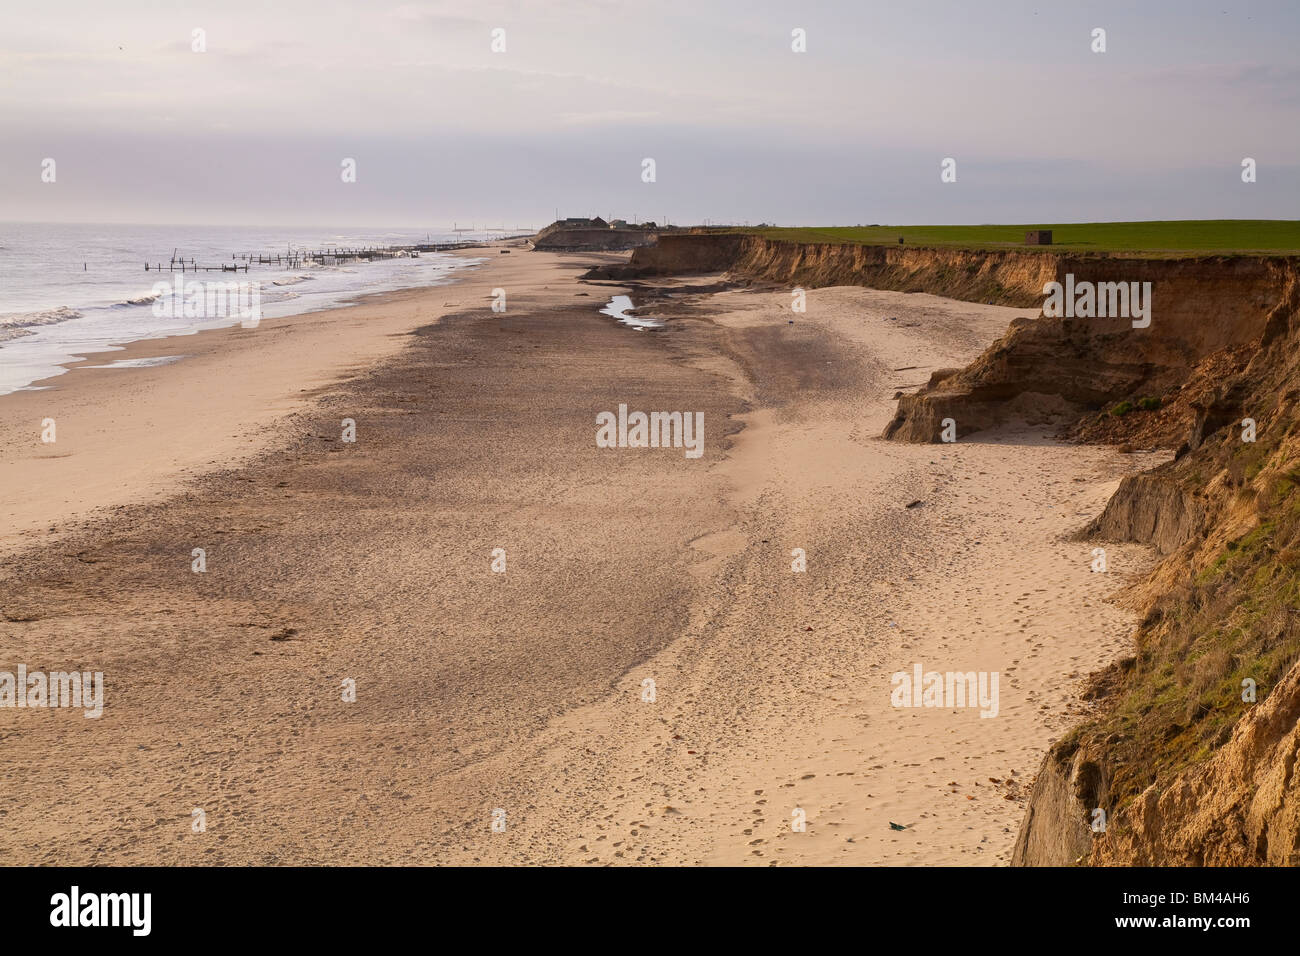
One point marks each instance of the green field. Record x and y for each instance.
(1163, 238)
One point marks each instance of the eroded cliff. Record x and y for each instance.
(1012, 277)
(1060, 369)
(1192, 754)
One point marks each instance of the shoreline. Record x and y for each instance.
(524, 690)
(324, 347)
(354, 301)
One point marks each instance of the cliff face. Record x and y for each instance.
(1152, 509)
(557, 238)
(1240, 806)
(1009, 278)
(1059, 369)
(1193, 753)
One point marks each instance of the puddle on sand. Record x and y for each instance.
(140, 362)
(620, 305)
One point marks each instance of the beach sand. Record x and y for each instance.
(331, 562)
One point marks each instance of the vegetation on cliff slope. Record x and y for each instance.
(1223, 613)
(1231, 614)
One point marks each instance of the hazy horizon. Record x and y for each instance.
(253, 130)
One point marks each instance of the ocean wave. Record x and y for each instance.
(143, 299)
(14, 324)
(292, 280)
(43, 317)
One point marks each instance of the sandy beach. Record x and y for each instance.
(369, 564)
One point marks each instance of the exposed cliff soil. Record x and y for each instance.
(1193, 754)
(1088, 374)
(556, 238)
(1003, 278)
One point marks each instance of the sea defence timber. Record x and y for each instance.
(326, 256)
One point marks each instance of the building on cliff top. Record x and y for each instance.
(579, 223)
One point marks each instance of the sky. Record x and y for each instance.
(255, 128)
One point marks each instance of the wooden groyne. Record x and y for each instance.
(182, 266)
(331, 255)
(178, 264)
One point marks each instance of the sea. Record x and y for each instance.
(70, 290)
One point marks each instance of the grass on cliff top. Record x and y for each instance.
(1191, 237)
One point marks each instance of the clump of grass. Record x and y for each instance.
(1124, 407)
